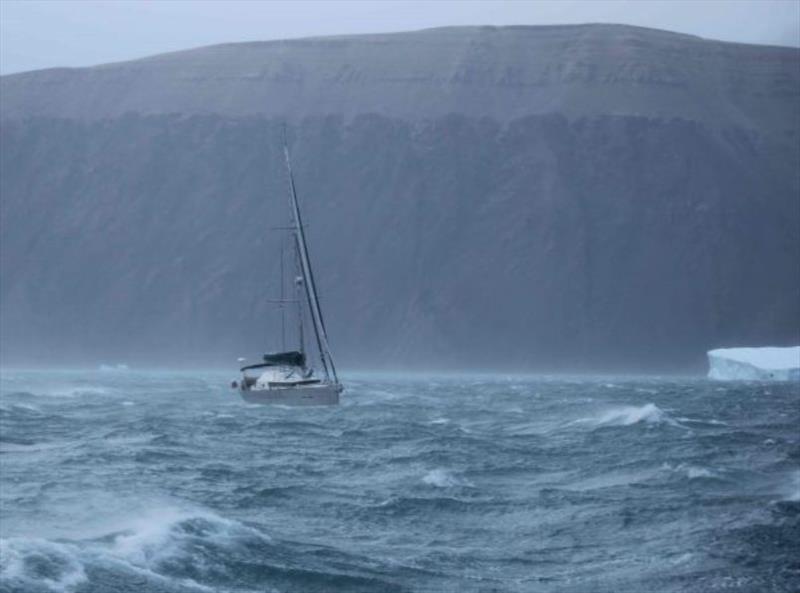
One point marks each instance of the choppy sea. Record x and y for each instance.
(142, 482)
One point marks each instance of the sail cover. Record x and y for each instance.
(292, 358)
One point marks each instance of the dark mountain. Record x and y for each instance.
(571, 197)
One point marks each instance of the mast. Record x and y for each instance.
(283, 306)
(298, 300)
(308, 276)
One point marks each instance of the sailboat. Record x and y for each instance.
(288, 377)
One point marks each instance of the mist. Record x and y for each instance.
(527, 198)
(399, 296)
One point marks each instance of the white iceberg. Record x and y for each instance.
(754, 364)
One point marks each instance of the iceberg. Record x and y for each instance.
(754, 364)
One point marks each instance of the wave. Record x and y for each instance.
(7, 446)
(702, 421)
(163, 545)
(76, 391)
(420, 505)
(441, 478)
(691, 472)
(56, 391)
(652, 474)
(20, 409)
(698, 472)
(630, 415)
(159, 535)
(175, 549)
(37, 564)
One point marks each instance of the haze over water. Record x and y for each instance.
(132, 481)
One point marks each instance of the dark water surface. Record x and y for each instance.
(127, 481)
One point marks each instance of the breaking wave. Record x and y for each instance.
(165, 545)
(630, 415)
(40, 565)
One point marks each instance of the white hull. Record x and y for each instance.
(322, 394)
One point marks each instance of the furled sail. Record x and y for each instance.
(308, 277)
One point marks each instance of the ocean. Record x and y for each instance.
(126, 481)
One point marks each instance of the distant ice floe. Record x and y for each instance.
(113, 368)
(754, 364)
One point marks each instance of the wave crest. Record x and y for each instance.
(630, 415)
(168, 546)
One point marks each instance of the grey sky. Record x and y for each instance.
(44, 34)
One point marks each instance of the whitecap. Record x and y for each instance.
(160, 534)
(441, 478)
(72, 391)
(648, 391)
(690, 471)
(147, 539)
(144, 544)
(710, 421)
(630, 415)
(698, 472)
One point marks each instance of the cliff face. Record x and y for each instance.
(530, 197)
